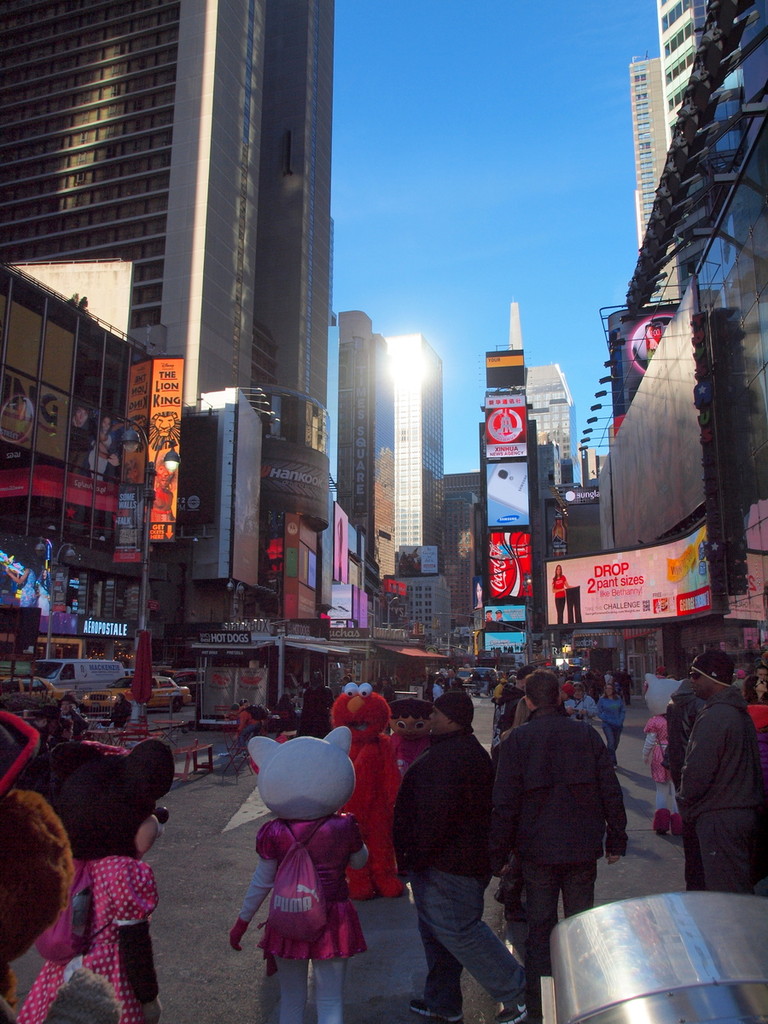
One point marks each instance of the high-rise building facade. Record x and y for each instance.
(192, 140)
(649, 134)
(463, 529)
(418, 381)
(679, 21)
(551, 405)
(365, 474)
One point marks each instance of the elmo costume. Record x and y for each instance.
(377, 779)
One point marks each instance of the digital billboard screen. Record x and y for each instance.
(509, 564)
(666, 581)
(507, 493)
(505, 426)
(504, 616)
(505, 643)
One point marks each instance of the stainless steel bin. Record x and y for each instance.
(669, 959)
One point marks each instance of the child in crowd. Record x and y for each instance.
(666, 817)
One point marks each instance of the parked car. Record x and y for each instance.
(31, 686)
(165, 694)
(190, 677)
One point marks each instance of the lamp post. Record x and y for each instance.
(66, 551)
(237, 590)
(134, 439)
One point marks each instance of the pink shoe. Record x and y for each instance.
(661, 821)
(676, 825)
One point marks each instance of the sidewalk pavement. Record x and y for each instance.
(204, 862)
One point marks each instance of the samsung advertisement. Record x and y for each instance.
(664, 582)
(507, 492)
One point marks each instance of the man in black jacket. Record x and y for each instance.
(555, 793)
(442, 818)
(682, 710)
(721, 788)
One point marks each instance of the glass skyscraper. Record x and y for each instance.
(366, 436)
(418, 382)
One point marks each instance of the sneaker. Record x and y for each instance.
(420, 1007)
(512, 1014)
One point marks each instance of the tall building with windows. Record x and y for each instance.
(464, 528)
(418, 381)
(649, 134)
(365, 476)
(550, 403)
(680, 23)
(193, 140)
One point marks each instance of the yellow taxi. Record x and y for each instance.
(165, 694)
(33, 686)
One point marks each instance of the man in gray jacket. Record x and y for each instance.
(721, 787)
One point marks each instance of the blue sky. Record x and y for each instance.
(483, 155)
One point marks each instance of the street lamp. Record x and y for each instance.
(66, 551)
(237, 590)
(134, 439)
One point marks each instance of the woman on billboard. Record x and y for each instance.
(559, 587)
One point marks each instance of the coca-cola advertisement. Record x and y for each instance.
(509, 564)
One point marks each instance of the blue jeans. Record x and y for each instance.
(454, 936)
(612, 736)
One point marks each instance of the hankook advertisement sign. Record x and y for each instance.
(666, 581)
(505, 426)
(294, 479)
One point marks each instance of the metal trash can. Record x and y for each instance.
(675, 958)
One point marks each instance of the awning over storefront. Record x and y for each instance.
(413, 652)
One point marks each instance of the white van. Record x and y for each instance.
(79, 675)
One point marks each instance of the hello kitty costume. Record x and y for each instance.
(304, 781)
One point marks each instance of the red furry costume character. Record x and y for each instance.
(377, 780)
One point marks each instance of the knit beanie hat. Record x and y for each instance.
(458, 706)
(715, 665)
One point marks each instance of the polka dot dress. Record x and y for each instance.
(123, 890)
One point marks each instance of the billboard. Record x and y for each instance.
(509, 564)
(633, 342)
(505, 426)
(505, 643)
(340, 544)
(416, 561)
(294, 478)
(663, 582)
(507, 493)
(505, 369)
(504, 616)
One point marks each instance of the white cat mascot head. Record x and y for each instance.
(658, 690)
(305, 778)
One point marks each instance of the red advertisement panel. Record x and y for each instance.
(509, 564)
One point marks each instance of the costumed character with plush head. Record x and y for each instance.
(658, 689)
(305, 782)
(367, 715)
(410, 730)
(106, 802)
(35, 876)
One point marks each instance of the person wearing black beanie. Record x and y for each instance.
(441, 827)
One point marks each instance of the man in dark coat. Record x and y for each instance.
(316, 705)
(682, 710)
(442, 818)
(555, 797)
(721, 787)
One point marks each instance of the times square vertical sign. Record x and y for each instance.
(154, 401)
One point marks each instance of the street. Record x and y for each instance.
(205, 859)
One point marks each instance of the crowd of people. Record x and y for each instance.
(538, 811)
